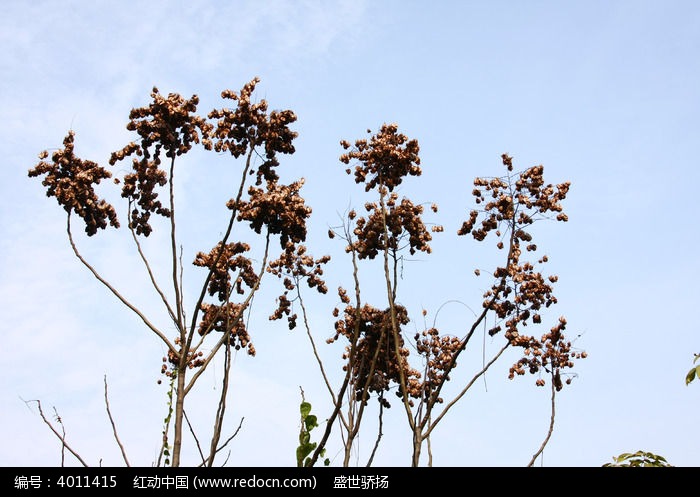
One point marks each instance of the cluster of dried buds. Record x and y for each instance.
(241, 130)
(384, 160)
(374, 362)
(292, 266)
(519, 291)
(167, 125)
(439, 353)
(276, 209)
(171, 361)
(227, 318)
(71, 180)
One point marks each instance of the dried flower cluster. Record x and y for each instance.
(167, 124)
(280, 209)
(250, 126)
(384, 160)
(519, 291)
(222, 263)
(401, 219)
(276, 209)
(374, 363)
(293, 266)
(71, 181)
(439, 353)
(227, 317)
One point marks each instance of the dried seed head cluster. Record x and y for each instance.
(293, 266)
(402, 220)
(374, 364)
(384, 159)
(279, 208)
(71, 180)
(519, 291)
(439, 353)
(250, 126)
(225, 318)
(171, 362)
(167, 124)
(224, 261)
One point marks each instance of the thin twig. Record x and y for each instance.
(177, 285)
(114, 427)
(194, 435)
(227, 441)
(313, 344)
(150, 325)
(551, 426)
(221, 408)
(62, 438)
(464, 391)
(152, 276)
(379, 434)
(63, 431)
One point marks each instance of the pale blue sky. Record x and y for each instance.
(603, 94)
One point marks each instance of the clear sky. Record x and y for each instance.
(603, 94)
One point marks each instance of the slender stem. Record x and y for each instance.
(463, 392)
(155, 330)
(194, 435)
(551, 426)
(379, 435)
(62, 438)
(221, 408)
(313, 344)
(152, 277)
(228, 440)
(114, 427)
(173, 253)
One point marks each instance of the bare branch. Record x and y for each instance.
(240, 424)
(62, 438)
(551, 426)
(379, 435)
(145, 320)
(313, 344)
(194, 435)
(464, 391)
(114, 428)
(151, 275)
(177, 285)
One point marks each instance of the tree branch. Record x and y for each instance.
(114, 428)
(62, 438)
(551, 427)
(145, 320)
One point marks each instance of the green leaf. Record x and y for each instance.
(305, 409)
(691, 375)
(311, 422)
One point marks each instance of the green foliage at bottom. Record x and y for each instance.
(639, 459)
